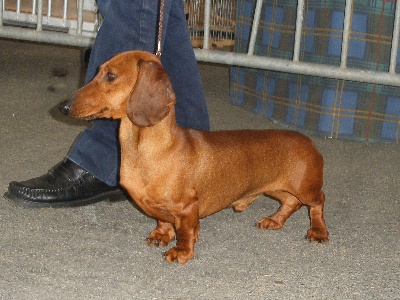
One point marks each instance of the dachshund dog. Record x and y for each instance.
(178, 175)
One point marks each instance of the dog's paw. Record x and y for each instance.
(268, 223)
(316, 234)
(178, 255)
(158, 238)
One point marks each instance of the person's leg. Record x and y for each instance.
(180, 63)
(101, 142)
(126, 26)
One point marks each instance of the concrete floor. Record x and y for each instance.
(98, 251)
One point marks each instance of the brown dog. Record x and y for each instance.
(179, 175)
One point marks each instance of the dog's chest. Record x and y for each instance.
(160, 192)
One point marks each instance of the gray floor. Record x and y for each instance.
(98, 251)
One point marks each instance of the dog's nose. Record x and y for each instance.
(65, 107)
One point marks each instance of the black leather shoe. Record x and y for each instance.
(65, 185)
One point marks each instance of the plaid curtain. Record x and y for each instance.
(331, 108)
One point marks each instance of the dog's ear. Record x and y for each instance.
(152, 95)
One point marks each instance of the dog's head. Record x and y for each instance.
(132, 84)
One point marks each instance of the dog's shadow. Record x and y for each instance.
(60, 72)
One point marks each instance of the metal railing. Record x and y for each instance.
(295, 66)
(55, 27)
(35, 26)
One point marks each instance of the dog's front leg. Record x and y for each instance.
(187, 228)
(163, 234)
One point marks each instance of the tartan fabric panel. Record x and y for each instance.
(328, 107)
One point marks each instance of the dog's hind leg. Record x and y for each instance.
(242, 204)
(318, 231)
(290, 204)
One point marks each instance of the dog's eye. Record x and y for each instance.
(110, 77)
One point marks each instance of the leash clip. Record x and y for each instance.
(158, 53)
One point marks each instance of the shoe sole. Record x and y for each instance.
(111, 196)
